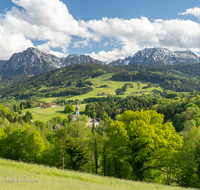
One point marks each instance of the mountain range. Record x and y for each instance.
(34, 61)
(158, 56)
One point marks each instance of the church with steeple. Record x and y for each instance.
(77, 112)
(77, 109)
(91, 123)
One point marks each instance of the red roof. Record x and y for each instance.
(52, 104)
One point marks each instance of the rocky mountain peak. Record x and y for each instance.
(34, 61)
(159, 56)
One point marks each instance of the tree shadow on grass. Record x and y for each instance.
(60, 111)
(81, 112)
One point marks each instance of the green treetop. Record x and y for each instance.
(142, 138)
(69, 108)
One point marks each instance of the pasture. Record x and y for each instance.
(110, 89)
(45, 114)
(23, 176)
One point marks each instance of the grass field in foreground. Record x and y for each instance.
(46, 178)
(45, 114)
(112, 86)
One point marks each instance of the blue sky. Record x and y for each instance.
(106, 30)
(128, 9)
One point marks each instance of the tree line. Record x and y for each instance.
(115, 148)
(168, 80)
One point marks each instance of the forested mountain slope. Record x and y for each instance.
(77, 79)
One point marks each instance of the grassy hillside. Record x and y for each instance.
(111, 88)
(46, 178)
(45, 114)
(71, 80)
(79, 80)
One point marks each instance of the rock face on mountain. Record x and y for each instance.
(78, 59)
(34, 61)
(158, 56)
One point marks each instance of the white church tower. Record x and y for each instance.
(77, 109)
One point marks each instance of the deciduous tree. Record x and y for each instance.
(143, 139)
(69, 108)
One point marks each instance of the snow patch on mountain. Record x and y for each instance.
(34, 61)
(159, 56)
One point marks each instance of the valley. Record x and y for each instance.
(100, 95)
(110, 89)
(45, 114)
(144, 122)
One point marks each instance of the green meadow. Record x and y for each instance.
(23, 176)
(110, 89)
(45, 114)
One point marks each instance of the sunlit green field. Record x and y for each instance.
(45, 114)
(21, 176)
(112, 86)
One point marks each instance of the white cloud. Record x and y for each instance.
(82, 43)
(43, 20)
(50, 13)
(50, 22)
(58, 54)
(105, 44)
(192, 11)
(137, 34)
(9, 43)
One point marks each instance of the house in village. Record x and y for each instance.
(46, 105)
(102, 94)
(53, 105)
(93, 122)
(138, 92)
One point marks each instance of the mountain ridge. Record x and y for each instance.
(33, 61)
(158, 56)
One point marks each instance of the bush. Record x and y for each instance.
(69, 108)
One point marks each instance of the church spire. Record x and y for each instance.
(77, 109)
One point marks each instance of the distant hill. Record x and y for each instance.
(77, 79)
(72, 80)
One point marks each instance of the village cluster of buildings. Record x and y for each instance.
(92, 121)
(138, 92)
(102, 94)
(44, 105)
